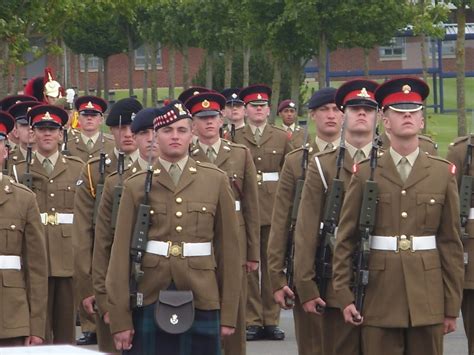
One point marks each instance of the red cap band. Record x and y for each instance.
(400, 97)
(90, 106)
(46, 117)
(3, 129)
(360, 95)
(205, 105)
(256, 96)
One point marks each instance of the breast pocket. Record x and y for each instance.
(428, 211)
(384, 209)
(274, 156)
(11, 234)
(14, 303)
(201, 216)
(66, 192)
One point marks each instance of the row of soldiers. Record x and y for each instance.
(219, 214)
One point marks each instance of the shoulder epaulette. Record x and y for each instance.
(21, 186)
(459, 140)
(279, 128)
(435, 157)
(209, 166)
(74, 158)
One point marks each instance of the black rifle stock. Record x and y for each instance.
(5, 163)
(465, 196)
(118, 189)
(65, 149)
(27, 178)
(100, 184)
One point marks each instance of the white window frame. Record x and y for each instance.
(93, 63)
(396, 44)
(139, 58)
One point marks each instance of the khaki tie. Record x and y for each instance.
(257, 135)
(404, 168)
(90, 144)
(359, 155)
(329, 146)
(211, 154)
(175, 173)
(48, 166)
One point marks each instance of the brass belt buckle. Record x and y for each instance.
(53, 219)
(175, 249)
(404, 243)
(259, 177)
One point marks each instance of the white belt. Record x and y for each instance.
(471, 213)
(56, 218)
(10, 262)
(182, 249)
(268, 176)
(237, 206)
(426, 242)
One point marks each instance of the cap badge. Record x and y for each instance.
(47, 116)
(7, 188)
(195, 92)
(28, 109)
(206, 104)
(406, 89)
(363, 93)
(180, 108)
(132, 117)
(291, 104)
(259, 96)
(89, 105)
(234, 95)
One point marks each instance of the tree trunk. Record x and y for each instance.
(366, 62)
(145, 77)
(171, 71)
(131, 61)
(186, 78)
(86, 74)
(4, 60)
(209, 65)
(424, 70)
(65, 59)
(17, 80)
(246, 66)
(276, 84)
(295, 80)
(228, 59)
(153, 46)
(99, 78)
(77, 72)
(322, 60)
(106, 78)
(460, 69)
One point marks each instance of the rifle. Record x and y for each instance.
(232, 132)
(140, 238)
(65, 149)
(327, 234)
(27, 178)
(100, 184)
(366, 227)
(5, 163)
(290, 246)
(119, 188)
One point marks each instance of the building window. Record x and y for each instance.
(140, 58)
(93, 63)
(448, 48)
(395, 50)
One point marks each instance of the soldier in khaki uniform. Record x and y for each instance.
(288, 113)
(458, 155)
(193, 208)
(415, 263)
(142, 129)
(268, 146)
(236, 161)
(88, 142)
(23, 263)
(356, 98)
(307, 326)
(233, 113)
(119, 120)
(54, 180)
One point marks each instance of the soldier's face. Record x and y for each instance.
(47, 139)
(124, 139)
(25, 134)
(145, 144)
(328, 119)
(257, 114)
(90, 123)
(403, 124)
(207, 127)
(288, 115)
(174, 140)
(234, 113)
(360, 119)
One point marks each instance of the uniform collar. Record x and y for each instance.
(142, 163)
(410, 157)
(352, 150)
(254, 128)
(133, 156)
(291, 126)
(216, 146)
(321, 144)
(181, 163)
(53, 158)
(94, 138)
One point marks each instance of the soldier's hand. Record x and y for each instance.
(88, 304)
(225, 331)
(449, 325)
(106, 318)
(352, 316)
(280, 295)
(315, 305)
(123, 340)
(33, 340)
(251, 265)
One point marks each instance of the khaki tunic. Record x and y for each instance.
(297, 138)
(78, 148)
(425, 143)
(24, 292)
(422, 287)
(207, 214)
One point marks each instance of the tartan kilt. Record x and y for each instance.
(203, 338)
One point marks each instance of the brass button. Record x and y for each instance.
(404, 215)
(179, 229)
(152, 211)
(259, 158)
(432, 201)
(51, 194)
(53, 209)
(179, 214)
(259, 171)
(90, 155)
(204, 209)
(51, 181)
(258, 146)
(404, 192)
(274, 152)
(259, 183)
(403, 236)
(69, 188)
(13, 227)
(179, 200)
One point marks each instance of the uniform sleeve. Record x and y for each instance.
(83, 235)
(307, 234)
(229, 270)
(449, 244)
(250, 209)
(36, 263)
(117, 279)
(102, 245)
(346, 242)
(278, 238)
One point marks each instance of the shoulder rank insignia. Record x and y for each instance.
(79, 182)
(192, 169)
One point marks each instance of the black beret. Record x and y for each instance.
(144, 119)
(126, 109)
(232, 96)
(322, 97)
